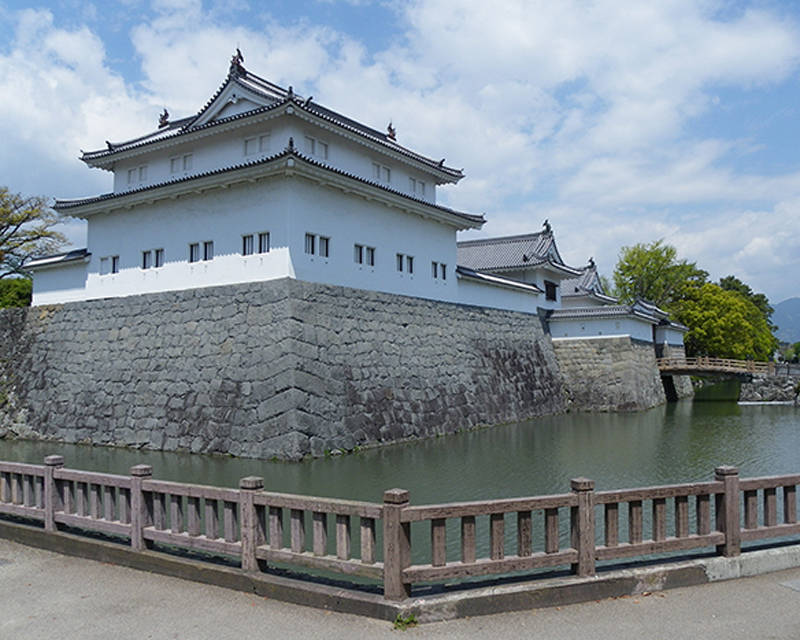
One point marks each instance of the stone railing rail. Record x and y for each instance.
(250, 524)
(712, 365)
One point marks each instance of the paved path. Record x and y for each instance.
(45, 595)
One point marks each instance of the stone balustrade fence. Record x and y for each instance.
(257, 527)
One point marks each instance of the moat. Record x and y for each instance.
(679, 442)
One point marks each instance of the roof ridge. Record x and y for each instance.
(239, 75)
(503, 239)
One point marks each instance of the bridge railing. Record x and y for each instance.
(722, 365)
(487, 537)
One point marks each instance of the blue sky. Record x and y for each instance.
(620, 122)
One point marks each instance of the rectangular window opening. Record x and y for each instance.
(159, 258)
(263, 242)
(247, 245)
(194, 252)
(147, 259)
(208, 250)
(137, 175)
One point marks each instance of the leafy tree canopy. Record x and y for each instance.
(26, 231)
(653, 272)
(732, 283)
(727, 320)
(15, 292)
(723, 324)
(790, 352)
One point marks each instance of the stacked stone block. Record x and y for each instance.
(282, 368)
(609, 374)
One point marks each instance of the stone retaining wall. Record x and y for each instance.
(764, 388)
(283, 368)
(611, 373)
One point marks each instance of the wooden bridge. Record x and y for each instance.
(713, 366)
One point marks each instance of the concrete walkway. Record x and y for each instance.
(46, 595)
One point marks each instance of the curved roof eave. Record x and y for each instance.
(596, 313)
(102, 158)
(540, 264)
(134, 197)
(496, 280)
(592, 294)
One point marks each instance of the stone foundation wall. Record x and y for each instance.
(609, 374)
(770, 389)
(282, 368)
(681, 384)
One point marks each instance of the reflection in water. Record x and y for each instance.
(725, 390)
(680, 442)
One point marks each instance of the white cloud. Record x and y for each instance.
(56, 97)
(575, 111)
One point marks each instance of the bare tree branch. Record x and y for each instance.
(26, 231)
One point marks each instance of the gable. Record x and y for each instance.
(234, 108)
(232, 99)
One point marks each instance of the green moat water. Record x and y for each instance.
(675, 443)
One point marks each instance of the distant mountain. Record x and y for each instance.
(787, 317)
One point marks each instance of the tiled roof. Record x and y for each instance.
(278, 97)
(473, 220)
(492, 278)
(59, 258)
(512, 253)
(586, 285)
(612, 311)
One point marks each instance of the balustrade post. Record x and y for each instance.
(251, 536)
(396, 545)
(582, 527)
(727, 511)
(52, 498)
(140, 514)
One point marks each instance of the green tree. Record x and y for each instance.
(653, 272)
(723, 324)
(26, 231)
(15, 292)
(732, 283)
(791, 353)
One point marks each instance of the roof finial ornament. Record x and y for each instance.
(237, 60)
(290, 93)
(163, 119)
(291, 144)
(591, 262)
(391, 131)
(547, 227)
